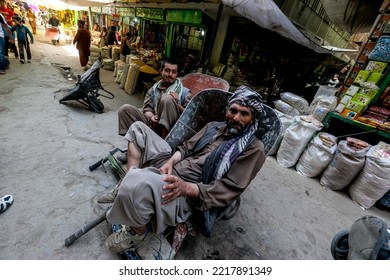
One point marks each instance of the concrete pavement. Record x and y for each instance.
(46, 148)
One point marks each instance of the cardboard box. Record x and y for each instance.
(346, 98)
(368, 91)
(352, 90)
(362, 99)
(349, 114)
(361, 76)
(374, 78)
(355, 106)
(339, 108)
(376, 66)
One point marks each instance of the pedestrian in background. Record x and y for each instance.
(3, 60)
(83, 43)
(32, 20)
(23, 43)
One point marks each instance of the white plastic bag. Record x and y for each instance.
(286, 108)
(295, 139)
(296, 102)
(316, 157)
(344, 167)
(286, 120)
(374, 180)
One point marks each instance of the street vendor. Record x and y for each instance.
(163, 103)
(208, 171)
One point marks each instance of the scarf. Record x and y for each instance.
(177, 87)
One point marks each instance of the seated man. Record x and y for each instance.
(163, 103)
(208, 171)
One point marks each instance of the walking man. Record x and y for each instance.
(83, 43)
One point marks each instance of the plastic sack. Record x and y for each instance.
(316, 156)
(321, 105)
(132, 77)
(286, 121)
(296, 102)
(286, 108)
(124, 75)
(344, 167)
(296, 138)
(373, 181)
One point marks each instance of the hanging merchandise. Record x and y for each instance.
(296, 138)
(317, 155)
(346, 164)
(373, 181)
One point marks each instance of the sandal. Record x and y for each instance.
(5, 202)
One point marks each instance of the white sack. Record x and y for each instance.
(286, 108)
(296, 102)
(344, 167)
(286, 120)
(373, 182)
(124, 75)
(294, 142)
(315, 158)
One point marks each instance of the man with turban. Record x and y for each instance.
(208, 171)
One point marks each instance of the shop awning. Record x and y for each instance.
(267, 14)
(353, 16)
(61, 5)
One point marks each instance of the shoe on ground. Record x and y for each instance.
(2, 72)
(125, 239)
(109, 197)
(86, 68)
(122, 158)
(5, 202)
(29, 61)
(22, 61)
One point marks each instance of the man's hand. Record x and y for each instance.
(167, 167)
(174, 95)
(177, 187)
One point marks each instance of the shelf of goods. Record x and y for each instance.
(364, 99)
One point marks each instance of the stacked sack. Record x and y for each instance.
(292, 104)
(317, 155)
(346, 164)
(296, 138)
(373, 182)
(95, 54)
(286, 121)
(322, 105)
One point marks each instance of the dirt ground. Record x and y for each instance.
(47, 147)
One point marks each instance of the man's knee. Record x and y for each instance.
(125, 109)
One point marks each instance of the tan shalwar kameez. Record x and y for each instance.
(167, 110)
(139, 197)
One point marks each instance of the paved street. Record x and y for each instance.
(46, 148)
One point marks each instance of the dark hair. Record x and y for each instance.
(128, 34)
(170, 61)
(113, 27)
(81, 22)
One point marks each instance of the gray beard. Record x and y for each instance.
(234, 131)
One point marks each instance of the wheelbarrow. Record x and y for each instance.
(86, 90)
(208, 105)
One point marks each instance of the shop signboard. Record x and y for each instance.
(96, 9)
(125, 12)
(184, 16)
(149, 13)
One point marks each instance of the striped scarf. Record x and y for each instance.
(177, 87)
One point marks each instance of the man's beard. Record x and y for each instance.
(234, 128)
